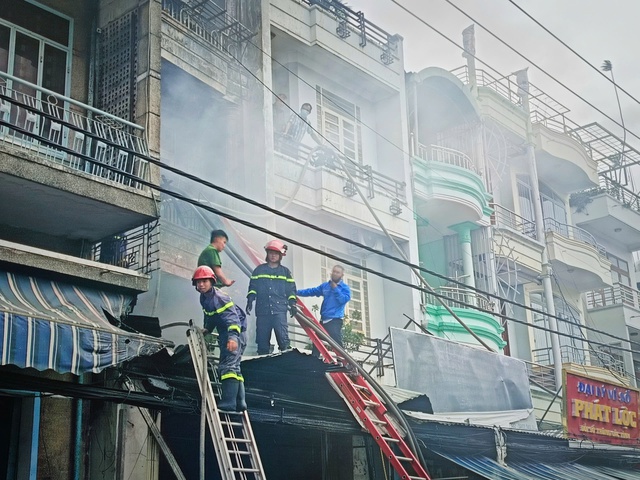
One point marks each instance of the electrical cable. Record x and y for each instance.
(424, 22)
(289, 217)
(573, 51)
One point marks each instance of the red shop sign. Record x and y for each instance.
(600, 411)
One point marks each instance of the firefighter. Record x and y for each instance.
(274, 292)
(229, 320)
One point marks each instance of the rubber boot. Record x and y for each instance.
(227, 401)
(241, 403)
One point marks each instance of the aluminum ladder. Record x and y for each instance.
(231, 432)
(367, 407)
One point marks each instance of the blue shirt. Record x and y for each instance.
(334, 299)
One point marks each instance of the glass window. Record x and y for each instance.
(619, 270)
(525, 197)
(37, 20)
(5, 35)
(339, 120)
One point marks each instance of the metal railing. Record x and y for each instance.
(541, 104)
(457, 297)
(503, 217)
(136, 249)
(618, 294)
(450, 156)
(327, 157)
(628, 198)
(579, 356)
(576, 233)
(38, 121)
(541, 375)
(349, 21)
(211, 23)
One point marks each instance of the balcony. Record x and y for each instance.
(516, 237)
(577, 258)
(448, 189)
(563, 162)
(440, 322)
(69, 170)
(609, 211)
(326, 32)
(315, 179)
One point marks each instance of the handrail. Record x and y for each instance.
(571, 354)
(449, 156)
(576, 233)
(324, 156)
(66, 99)
(457, 296)
(618, 294)
(503, 217)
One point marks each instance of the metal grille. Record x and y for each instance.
(136, 249)
(117, 66)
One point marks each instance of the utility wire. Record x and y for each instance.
(219, 212)
(573, 51)
(424, 22)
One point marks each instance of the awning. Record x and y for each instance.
(489, 468)
(46, 324)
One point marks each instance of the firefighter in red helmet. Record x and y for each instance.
(273, 290)
(229, 320)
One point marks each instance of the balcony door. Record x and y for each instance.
(339, 120)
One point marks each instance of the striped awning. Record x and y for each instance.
(49, 325)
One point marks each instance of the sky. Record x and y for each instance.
(596, 29)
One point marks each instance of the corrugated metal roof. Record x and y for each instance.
(489, 468)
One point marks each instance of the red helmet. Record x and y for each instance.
(276, 246)
(203, 272)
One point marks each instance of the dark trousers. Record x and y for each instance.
(276, 323)
(229, 366)
(334, 329)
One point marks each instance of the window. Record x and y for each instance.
(619, 270)
(339, 121)
(553, 207)
(525, 197)
(357, 309)
(35, 45)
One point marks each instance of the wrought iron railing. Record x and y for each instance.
(459, 297)
(51, 125)
(541, 104)
(135, 249)
(576, 233)
(327, 157)
(541, 375)
(579, 356)
(349, 21)
(211, 23)
(450, 156)
(627, 197)
(618, 294)
(505, 218)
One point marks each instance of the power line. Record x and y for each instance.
(424, 22)
(573, 51)
(216, 211)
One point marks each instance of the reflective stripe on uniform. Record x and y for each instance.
(252, 292)
(290, 297)
(234, 327)
(220, 310)
(232, 375)
(273, 277)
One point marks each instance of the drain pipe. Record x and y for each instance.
(522, 79)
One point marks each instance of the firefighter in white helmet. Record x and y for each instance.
(273, 290)
(229, 320)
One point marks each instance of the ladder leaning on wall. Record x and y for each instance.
(231, 432)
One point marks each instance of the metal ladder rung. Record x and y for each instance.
(378, 422)
(417, 478)
(232, 424)
(238, 440)
(250, 470)
(369, 403)
(404, 459)
(240, 452)
(390, 439)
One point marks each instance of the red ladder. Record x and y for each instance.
(361, 398)
(367, 408)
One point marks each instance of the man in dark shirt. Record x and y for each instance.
(274, 292)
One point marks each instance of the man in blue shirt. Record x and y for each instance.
(336, 294)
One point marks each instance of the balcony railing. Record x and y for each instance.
(211, 23)
(50, 126)
(327, 157)
(628, 198)
(576, 233)
(503, 217)
(136, 249)
(349, 21)
(436, 153)
(458, 297)
(571, 354)
(618, 294)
